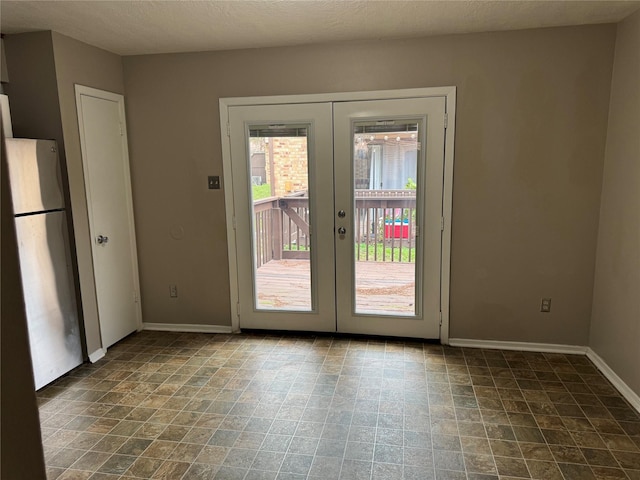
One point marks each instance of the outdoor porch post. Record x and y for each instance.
(276, 232)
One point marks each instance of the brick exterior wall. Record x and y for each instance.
(290, 164)
(289, 158)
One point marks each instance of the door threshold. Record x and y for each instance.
(337, 335)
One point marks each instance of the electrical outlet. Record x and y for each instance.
(545, 305)
(173, 291)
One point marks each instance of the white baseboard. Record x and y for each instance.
(631, 396)
(190, 328)
(521, 346)
(97, 355)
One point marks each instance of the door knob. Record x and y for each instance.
(342, 230)
(101, 239)
(341, 213)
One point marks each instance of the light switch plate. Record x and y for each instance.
(545, 305)
(214, 182)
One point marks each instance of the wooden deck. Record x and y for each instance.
(385, 288)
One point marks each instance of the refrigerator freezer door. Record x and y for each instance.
(47, 281)
(34, 173)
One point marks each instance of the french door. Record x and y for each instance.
(337, 210)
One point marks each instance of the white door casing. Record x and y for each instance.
(105, 159)
(444, 114)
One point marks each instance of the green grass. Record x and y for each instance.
(381, 250)
(261, 191)
(294, 248)
(404, 256)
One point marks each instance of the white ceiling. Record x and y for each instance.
(143, 27)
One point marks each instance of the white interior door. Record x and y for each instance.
(338, 211)
(108, 189)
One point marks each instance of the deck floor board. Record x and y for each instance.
(381, 287)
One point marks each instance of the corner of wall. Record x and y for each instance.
(614, 333)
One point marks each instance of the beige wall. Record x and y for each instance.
(79, 63)
(32, 91)
(615, 324)
(530, 136)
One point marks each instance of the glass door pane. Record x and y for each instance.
(281, 217)
(385, 171)
(388, 170)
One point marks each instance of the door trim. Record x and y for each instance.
(81, 90)
(449, 94)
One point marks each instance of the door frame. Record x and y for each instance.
(81, 90)
(448, 93)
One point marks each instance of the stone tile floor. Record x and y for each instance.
(261, 406)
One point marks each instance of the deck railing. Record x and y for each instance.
(384, 227)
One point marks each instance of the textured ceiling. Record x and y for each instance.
(142, 27)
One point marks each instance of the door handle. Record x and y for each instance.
(341, 213)
(101, 239)
(342, 231)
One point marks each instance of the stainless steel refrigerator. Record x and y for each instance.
(45, 257)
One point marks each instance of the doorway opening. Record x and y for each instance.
(339, 209)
